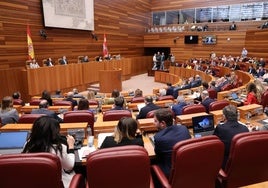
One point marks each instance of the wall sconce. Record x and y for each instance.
(228, 39)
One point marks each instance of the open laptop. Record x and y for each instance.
(12, 142)
(203, 125)
(235, 97)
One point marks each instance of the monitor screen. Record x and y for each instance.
(209, 39)
(12, 140)
(191, 39)
(203, 123)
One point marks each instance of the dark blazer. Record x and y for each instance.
(63, 62)
(170, 90)
(226, 132)
(109, 142)
(149, 107)
(47, 112)
(177, 108)
(206, 102)
(164, 141)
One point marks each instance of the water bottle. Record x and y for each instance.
(90, 141)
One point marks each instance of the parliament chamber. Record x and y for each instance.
(135, 31)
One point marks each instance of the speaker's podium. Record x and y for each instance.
(110, 80)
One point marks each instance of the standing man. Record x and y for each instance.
(158, 60)
(162, 65)
(227, 130)
(244, 53)
(167, 136)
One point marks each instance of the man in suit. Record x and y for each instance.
(206, 100)
(118, 103)
(227, 130)
(167, 136)
(170, 89)
(64, 61)
(177, 108)
(252, 70)
(43, 109)
(49, 62)
(149, 106)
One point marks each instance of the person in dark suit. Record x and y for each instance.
(170, 89)
(63, 60)
(177, 108)
(118, 103)
(233, 26)
(149, 106)
(70, 96)
(227, 130)
(49, 62)
(167, 136)
(43, 109)
(206, 100)
(252, 70)
(126, 133)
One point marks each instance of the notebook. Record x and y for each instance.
(203, 125)
(12, 142)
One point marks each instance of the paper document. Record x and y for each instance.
(84, 151)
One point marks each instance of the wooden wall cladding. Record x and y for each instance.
(124, 23)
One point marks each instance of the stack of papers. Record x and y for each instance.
(84, 151)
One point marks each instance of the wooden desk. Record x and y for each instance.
(28, 126)
(218, 116)
(146, 125)
(253, 109)
(57, 109)
(187, 118)
(17, 107)
(257, 185)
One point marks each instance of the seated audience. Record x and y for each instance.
(57, 94)
(69, 97)
(177, 108)
(149, 106)
(118, 103)
(228, 129)
(45, 137)
(252, 70)
(91, 95)
(8, 114)
(17, 98)
(115, 93)
(167, 136)
(43, 109)
(260, 72)
(83, 104)
(63, 61)
(46, 96)
(49, 62)
(138, 93)
(170, 89)
(77, 94)
(251, 94)
(34, 64)
(85, 59)
(126, 133)
(206, 100)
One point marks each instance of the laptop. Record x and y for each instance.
(235, 97)
(203, 125)
(12, 142)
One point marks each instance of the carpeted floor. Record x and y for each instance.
(143, 81)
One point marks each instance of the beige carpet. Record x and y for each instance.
(143, 81)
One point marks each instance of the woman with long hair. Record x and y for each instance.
(45, 137)
(251, 94)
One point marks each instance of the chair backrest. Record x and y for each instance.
(193, 108)
(62, 103)
(226, 87)
(130, 168)
(218, 105)
(93, 102)
(30, 170)
(80, 116)
(137, 99)
(18, 102)
(165, 97)
(247, 162)
(196, 162)
(212, 93)
(150, 114)
(264, 99)
(114, 115)
(29, 118)
(35, 102)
